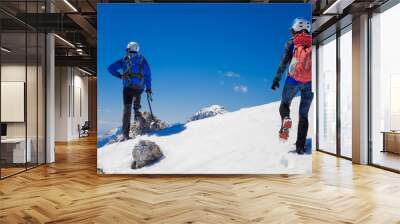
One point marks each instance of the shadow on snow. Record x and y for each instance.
(174, 129)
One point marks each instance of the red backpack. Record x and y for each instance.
(301, 65)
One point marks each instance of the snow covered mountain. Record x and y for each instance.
(108, 136)
(208, 112)
(241, 142)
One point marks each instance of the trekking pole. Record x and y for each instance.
(149, 98)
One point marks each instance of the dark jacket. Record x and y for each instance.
(286, 59)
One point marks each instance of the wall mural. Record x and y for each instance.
(204, 89)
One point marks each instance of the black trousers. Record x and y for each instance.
(289, 92)
(131, 95)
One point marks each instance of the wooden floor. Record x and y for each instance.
(70, 191)
(387, 159)
(5, 172)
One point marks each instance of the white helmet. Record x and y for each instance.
(133, 46)
(300, 24)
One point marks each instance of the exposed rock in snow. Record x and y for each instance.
(208, 112)
(145, 153)
(240, 142)
(148, 125)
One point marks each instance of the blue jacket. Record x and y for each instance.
(122, 65)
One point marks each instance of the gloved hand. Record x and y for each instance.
(275, 84)
(149, 94)
(120, 76)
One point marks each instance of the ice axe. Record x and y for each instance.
(150, 99)
(154, 123)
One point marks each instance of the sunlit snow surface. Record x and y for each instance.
(241, 142)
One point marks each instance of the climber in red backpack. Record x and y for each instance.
(297, 61)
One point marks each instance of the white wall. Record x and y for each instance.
(81, 94)
(33, 126)
(61, 103)
(14, 73)
(13, 101)
(71, 87)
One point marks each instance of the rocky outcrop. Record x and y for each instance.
(146, 124)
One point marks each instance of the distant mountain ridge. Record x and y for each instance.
(207, 112)
(114, 134)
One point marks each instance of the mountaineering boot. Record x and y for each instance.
(123, 138)
(287, 123)
(284, 131)
(300, 151)
(284, 134)
(302, 134)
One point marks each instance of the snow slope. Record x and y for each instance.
(241, 142)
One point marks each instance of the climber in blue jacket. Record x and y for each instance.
(136, 77)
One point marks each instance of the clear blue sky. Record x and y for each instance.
(199, 54)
